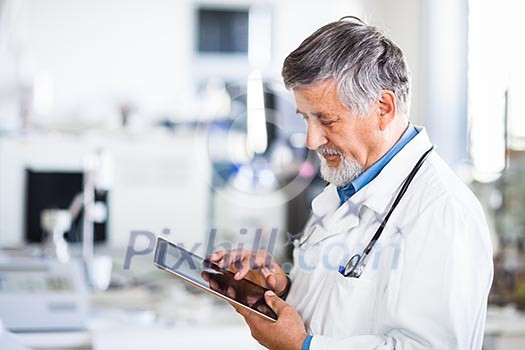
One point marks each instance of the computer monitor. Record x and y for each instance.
(55, 190)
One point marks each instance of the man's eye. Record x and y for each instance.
(328, 122)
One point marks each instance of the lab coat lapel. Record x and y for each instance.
(380, 193)
(329, 219)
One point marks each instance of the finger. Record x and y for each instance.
(231, 292)
(219, 258)
(243, 270)
(238, 256)
(205, 276)
(242, 311)
(251, 300)
(263, 308)
(235, 306)
(214, 285)
(266, 272)
(263, 259)
(215, 256)
(240, 263)
(222, 258)
(254, 261)
(274, 302)
(231, 257)
(278, 282)
(271, 281)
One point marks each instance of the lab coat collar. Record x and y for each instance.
(324, 207)
(380, 193)
(331, 219)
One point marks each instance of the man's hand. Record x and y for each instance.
(287, 333)
(258, 267)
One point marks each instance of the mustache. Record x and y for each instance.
(325, 150)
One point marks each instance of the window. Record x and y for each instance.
(222, 31)
(495, 81)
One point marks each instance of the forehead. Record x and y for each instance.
(321, 96)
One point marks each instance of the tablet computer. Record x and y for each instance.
(208, 276)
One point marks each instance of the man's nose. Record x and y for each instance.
(315, 136)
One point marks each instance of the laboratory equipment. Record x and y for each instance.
(55, 190)
(42, 295)
(56, 222)
(160, 182)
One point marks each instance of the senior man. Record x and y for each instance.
(397, 254)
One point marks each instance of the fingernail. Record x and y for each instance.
(237, 274)
(270, 293)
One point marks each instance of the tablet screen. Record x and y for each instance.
(208, 276)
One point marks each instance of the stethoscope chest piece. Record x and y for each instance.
(353, 267)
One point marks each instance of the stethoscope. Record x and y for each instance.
(355, 266)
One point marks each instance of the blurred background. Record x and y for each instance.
(124, 120)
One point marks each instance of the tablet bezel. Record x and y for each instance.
(207, 289)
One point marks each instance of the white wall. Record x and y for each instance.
(445, 77)
(100, 53)
(294, 20)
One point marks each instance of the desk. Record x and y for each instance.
(56, 340)
(138, 319)
(109, 330)
(158, 338)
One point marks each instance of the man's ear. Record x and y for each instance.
(387, 109)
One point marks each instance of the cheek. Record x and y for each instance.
(355, 144)
(345, 143)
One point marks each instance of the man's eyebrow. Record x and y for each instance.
(305, 114)
(302, 114)
(318, 115)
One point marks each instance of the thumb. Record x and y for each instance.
(274, 302)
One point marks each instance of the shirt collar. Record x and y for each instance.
(378, 194)
(370, 174)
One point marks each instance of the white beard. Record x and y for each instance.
(345, 173)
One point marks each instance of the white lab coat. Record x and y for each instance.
(427, 279)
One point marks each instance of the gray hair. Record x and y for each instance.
(360, 58)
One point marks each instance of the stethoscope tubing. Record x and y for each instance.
(356, 268)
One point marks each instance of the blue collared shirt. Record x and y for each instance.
(306, 343)
(369, 174)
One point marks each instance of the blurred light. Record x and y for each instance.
(281, 157)
(259, 36)
(257, 141)
(105, 174)
(267, 178)
(307, 170)
(487, 80)
(516, 128)
(298, 140)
